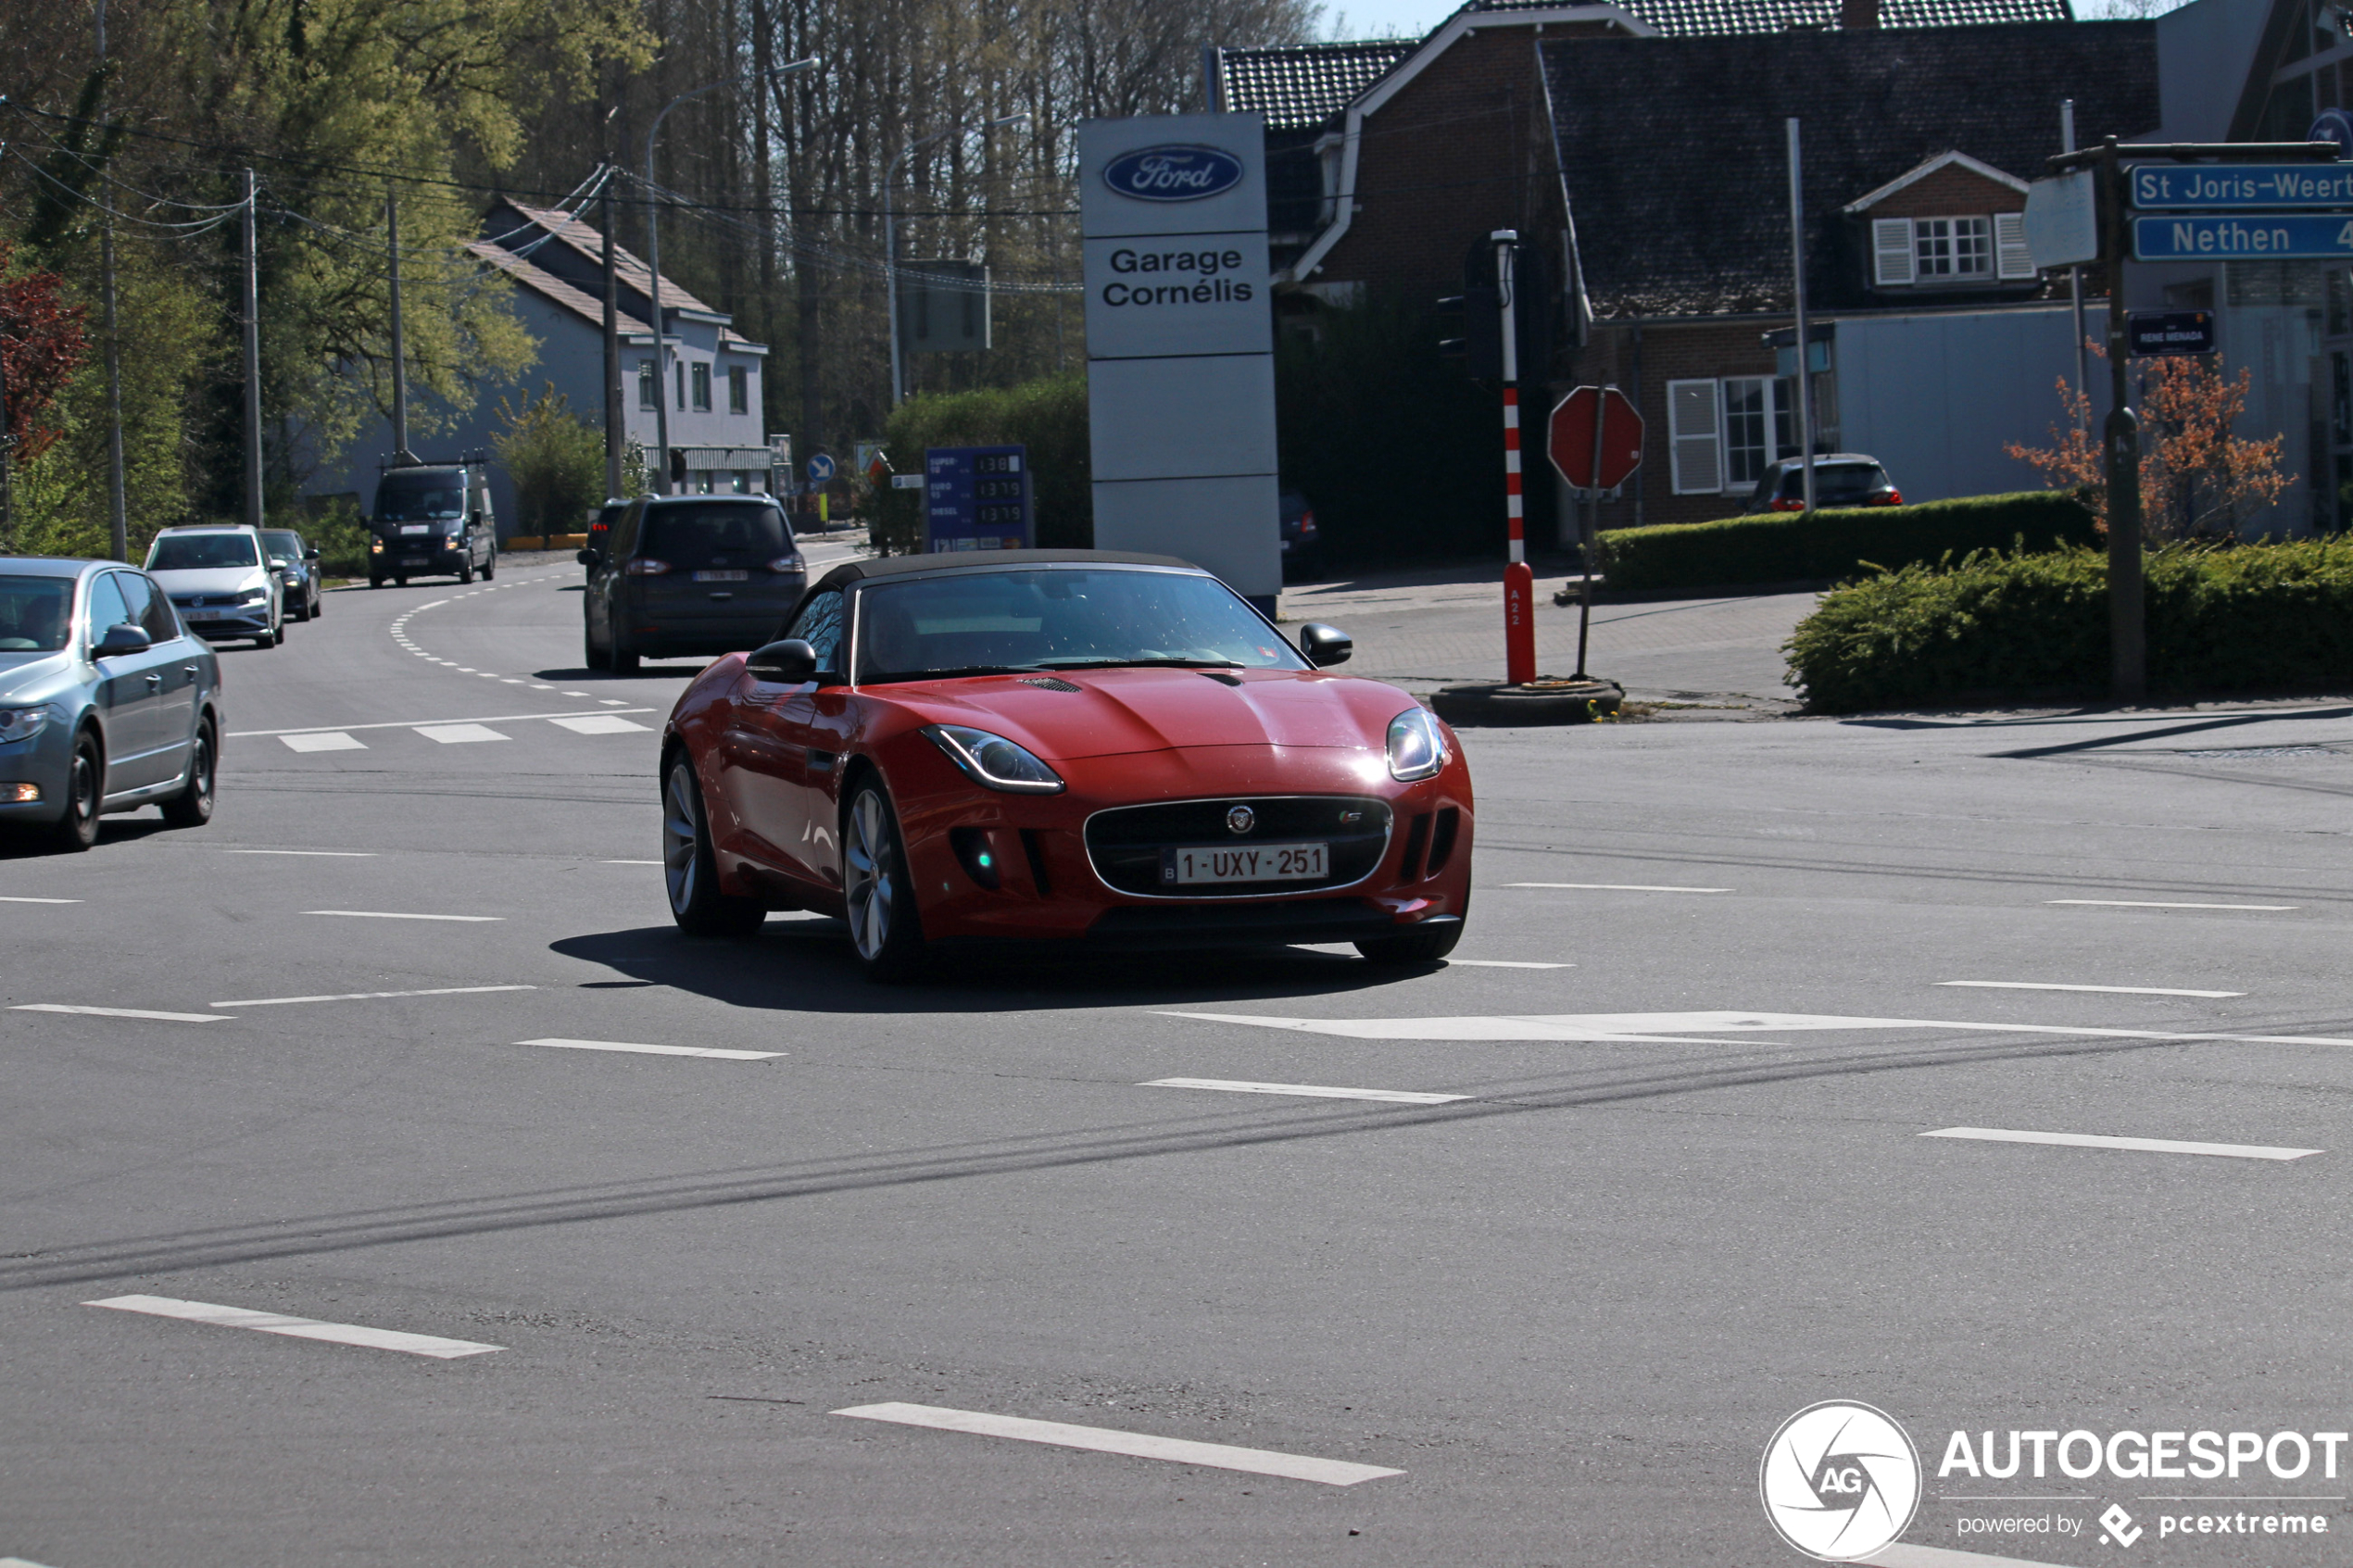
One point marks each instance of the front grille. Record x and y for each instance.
(1125, 842)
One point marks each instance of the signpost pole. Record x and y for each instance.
(1593, 533)
(2075, 277)
(2128, 641)
(1805, 357)
(1520, 580)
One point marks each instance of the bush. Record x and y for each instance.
(334, 526)
(557, 460)
(1812, 546)
(1047, 416)
(2243, 618)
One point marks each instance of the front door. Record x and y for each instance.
(130, 692)
(171, 666)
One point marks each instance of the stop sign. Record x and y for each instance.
(1571, 446)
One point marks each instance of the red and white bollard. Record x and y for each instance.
(1519, 581)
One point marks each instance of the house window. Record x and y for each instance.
(1933, 252)
(646, 383)
(738, 389)
(1748, 414)
(1953, 247)
(682, 386)
(1723, 435)
(702, 387)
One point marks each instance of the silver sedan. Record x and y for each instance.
(106, 702)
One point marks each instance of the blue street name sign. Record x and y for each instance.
(2242, 187)
(977, 498)
(2269, 236)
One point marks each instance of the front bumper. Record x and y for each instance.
(226, 620)
(42, 762)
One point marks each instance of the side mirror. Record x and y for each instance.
(310, 555)
(1325, 645)
(786, 662)
(588, 557)
(473, 520)
(124, 639)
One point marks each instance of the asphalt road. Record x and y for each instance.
(1566, 1309)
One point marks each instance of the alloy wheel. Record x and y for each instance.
(868, 862)
(678, 844)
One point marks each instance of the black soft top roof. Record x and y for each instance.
(909, 565)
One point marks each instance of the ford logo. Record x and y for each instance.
(1180, 173)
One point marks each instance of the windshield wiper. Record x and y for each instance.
(962, 669)
(1106, 662)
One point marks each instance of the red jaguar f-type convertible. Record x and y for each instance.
(1073, 746)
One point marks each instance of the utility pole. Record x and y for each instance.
(400, 453)
(2127, 624)
(616, 425)
(2075, 277)
(117, 508)
(1804, 349)
(253, 354)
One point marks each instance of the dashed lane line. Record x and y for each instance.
(21, 898)
(370, 996)
(120, 1012)
(396, 914)
(413, 723)
(1504, 964)
(654, 1050)
(1136, 1445)
(1616, 887)
(332, 854)
(298, 1328)
(2103, 990)
(1307, 1091)
(2151, 904)
(2142, 1145)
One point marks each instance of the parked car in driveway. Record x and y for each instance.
(297, 567)
(1087, 749)
(106, 702)
(220, 578)
(1302, 541)
(683, 575)
(1840, 479)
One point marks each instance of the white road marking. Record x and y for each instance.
(18, 1562)
(633, 862)
(1617, 887)
(336, 854)
(653, 1050)
(2110, 990)
(1504, 964)
(1137, 1445)
(412, 723)
(459, 734)
(18, 898)
(600, 724)
(120, 1012)
(572, 694)
(370, 995)
(2148, 904)
(298, 1328)
(324, 740)
(1702, 1028)
(1310, 1091)
(1902, 1555)
(616, 702)
(394, 915)
(2146, 1146)
(537, 687)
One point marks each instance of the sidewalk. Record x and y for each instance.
(1442, 625)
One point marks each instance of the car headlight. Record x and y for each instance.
(1416, 746)
(254, 596)
(994, 760)
(375, 546)
(23, 723)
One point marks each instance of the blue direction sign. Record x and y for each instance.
(2267, 236)
(2240, 187)
(820, 469)
(977, 498)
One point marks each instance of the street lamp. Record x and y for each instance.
(653, 266)
(890, 231)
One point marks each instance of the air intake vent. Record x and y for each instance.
(1048, 682)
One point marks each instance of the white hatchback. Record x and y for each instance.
(221, 580)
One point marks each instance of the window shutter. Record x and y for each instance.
(1694, 449)
(2011, 258)
(1892, 251)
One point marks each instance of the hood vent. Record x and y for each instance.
(1048, 682)
(1220, 677)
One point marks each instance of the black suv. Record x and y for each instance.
(433, 521)
(683, 575)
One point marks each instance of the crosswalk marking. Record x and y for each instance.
(458, 735)
(329, 740)
(600, 724)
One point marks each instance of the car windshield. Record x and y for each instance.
(201, 552)
(1834, 483)
(35, 613)
(415, 502)
(726, 534)
(283, 545)
(1059, 618)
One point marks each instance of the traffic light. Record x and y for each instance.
(1473, 320)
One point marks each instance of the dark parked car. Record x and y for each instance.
(1302, 542)
(108, 703)
(297, 566)
(1840, 479)
(433, 521)
(697, 575)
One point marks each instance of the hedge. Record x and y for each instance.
(1047, 416)
(1992, 626)
(1835, 543)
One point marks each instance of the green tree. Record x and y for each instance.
(557, 460)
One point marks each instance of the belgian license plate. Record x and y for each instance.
(415, 527)
(723, 576)
(414, 560)
(1257, 862)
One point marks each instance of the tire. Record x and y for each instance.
(490, 566)
(886, 929)
(278, 634)
(689, 870)
(192, 807)
(591, 655)
(85, 782)
(466, 570)
(318, 607)
(400, 581)
(1415, 949)
(374, 581)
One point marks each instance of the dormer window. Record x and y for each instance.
(1953, 247)
(1941, 252)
